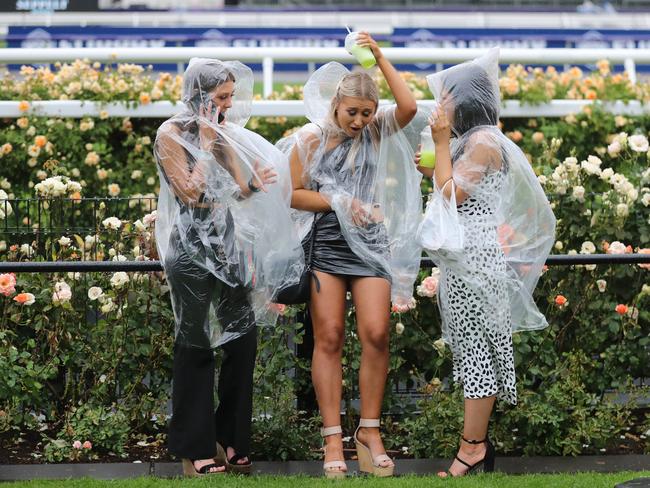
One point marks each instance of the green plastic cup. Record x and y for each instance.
(427, 149)
(427, 159)
(363, 54)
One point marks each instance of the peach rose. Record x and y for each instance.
(25, 298)
(621, 309)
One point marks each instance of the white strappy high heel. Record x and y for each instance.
(333, 469)
(368, 463)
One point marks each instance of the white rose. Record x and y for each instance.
(139, 226)
(579, 193)
(559, 245)
(26, 249)
(151, 181)
(89, 241)
(594, 160)
(614, 149)
(108, 306)
(622, 210)
(112, 223)
(632, 194)
(95, 292)
(588, 247)
(645, 199)
(136, 174)
(399, 328)
(5, 207)
(149, 218)
(638, 143)
(62, 293)
(606, 174)
(439, 345)
(119, 279)
(542, 179)
(602, 285)
(65, 241)
(3, 246)
(645, 290)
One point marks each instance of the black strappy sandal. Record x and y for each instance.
(233, 465)
(190, 470)
(485, 465)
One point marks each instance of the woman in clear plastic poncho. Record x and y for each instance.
(352, 172)
(226, 241)
(485, 289)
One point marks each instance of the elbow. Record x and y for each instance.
(412, 109)
(409, 110)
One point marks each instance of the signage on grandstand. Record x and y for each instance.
(48, 5)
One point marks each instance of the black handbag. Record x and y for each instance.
(300, 292)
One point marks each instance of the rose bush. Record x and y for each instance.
(98, 346)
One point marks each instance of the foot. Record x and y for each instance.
(471, 454)
(230, 452)
(199, 463)
(334, 450)
(369, 436)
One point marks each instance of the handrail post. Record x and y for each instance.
(267, 76)
(630, 69)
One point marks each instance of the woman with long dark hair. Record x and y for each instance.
(226, 242)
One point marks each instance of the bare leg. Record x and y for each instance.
(327, 309)
(477, 417)
(372, 302)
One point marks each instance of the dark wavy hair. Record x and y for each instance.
(205, 78)
(475, 102)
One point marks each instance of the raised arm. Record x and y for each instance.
(406, 106)
(481, 156)
(186, 184)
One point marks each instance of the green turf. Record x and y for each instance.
(581, 480)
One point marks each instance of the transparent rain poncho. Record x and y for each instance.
(226, 250)
(507, 221)
(372, 173)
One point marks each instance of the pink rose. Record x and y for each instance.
(76, 444)
(7, 284)
(87, 445)
(616, 247)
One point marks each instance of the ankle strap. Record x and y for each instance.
(368, 422)
(328, 431)
(473, 441)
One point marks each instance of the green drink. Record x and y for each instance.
(427, 159)
(427, 149)
(363, 54)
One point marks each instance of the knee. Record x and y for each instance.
(329, 340)
(376, 339)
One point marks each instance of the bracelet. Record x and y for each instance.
(252, 187)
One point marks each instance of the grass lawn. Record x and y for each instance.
(582, 480)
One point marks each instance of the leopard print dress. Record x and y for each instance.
(475, 306)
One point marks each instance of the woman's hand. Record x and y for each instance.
(262, 176)
(427, 172)
(360, 213)
(365, 40)
(440, 126)
(207, 124)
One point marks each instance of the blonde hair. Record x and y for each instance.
(358, 84)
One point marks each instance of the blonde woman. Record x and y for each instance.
(351, 172)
